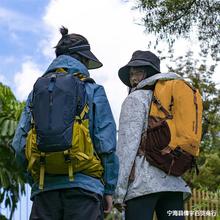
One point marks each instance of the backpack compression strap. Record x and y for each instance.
(161, 108)
(42, 170)
(67, 152)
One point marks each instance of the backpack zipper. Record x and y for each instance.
(50, 90)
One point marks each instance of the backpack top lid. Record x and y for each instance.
(70, 64)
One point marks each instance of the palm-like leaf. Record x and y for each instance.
(11, 179)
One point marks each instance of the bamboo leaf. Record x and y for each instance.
(4, 129)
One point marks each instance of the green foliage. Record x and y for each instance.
(170, 19)
(209, 176)
(11, 178)
(10, 111)
(2, 217)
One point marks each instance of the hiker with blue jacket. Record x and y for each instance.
(142, 186)
(83, 187)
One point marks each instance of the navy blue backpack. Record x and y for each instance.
(57, 99)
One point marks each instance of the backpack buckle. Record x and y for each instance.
(177, 152)
(69, 162)
(42, 158)
(52, 83)
(67, 156)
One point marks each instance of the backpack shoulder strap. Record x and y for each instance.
(189, 84)
(89, 80)
(83, 78)
(159, 105)
(147, 87)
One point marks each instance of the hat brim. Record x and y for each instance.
(94, 63)
(123, 72)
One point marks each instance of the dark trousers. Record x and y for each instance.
(67, 204)
(165, 204)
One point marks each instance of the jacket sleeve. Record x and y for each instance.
(131, 124)
(105, 138)
(19, 139)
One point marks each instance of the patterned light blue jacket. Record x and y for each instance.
(133, 121)
(102, 129)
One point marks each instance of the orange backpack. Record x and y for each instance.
(172, 139)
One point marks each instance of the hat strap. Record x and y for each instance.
(79, 48)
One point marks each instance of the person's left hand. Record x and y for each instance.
(108, 204)
(120, 206)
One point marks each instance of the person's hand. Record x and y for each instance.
(108, 204)
(120, 206)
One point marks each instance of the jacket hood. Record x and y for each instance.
(153, 79)
(70, 63)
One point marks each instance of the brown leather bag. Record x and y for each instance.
(154, 146)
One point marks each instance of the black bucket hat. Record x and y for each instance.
(76, 44)
(140, 58)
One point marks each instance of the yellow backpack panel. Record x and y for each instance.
(81, 157)
(184, 103)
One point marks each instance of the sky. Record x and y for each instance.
(29, 30)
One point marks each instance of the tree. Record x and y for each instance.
(170, 19)
(209, 176)
(11, 178)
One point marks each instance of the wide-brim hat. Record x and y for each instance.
(76, 44)
(139, 58)
(84, 50)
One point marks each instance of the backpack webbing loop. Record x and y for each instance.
(69, 162)
(84, 111)
(42, 170)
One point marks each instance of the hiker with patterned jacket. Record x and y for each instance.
(70, 195)
(143, 188)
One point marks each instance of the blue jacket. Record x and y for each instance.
(102, 130)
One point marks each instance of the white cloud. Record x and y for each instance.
(25, 79)
(109, 27)
(46, 49)
(113, 35)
